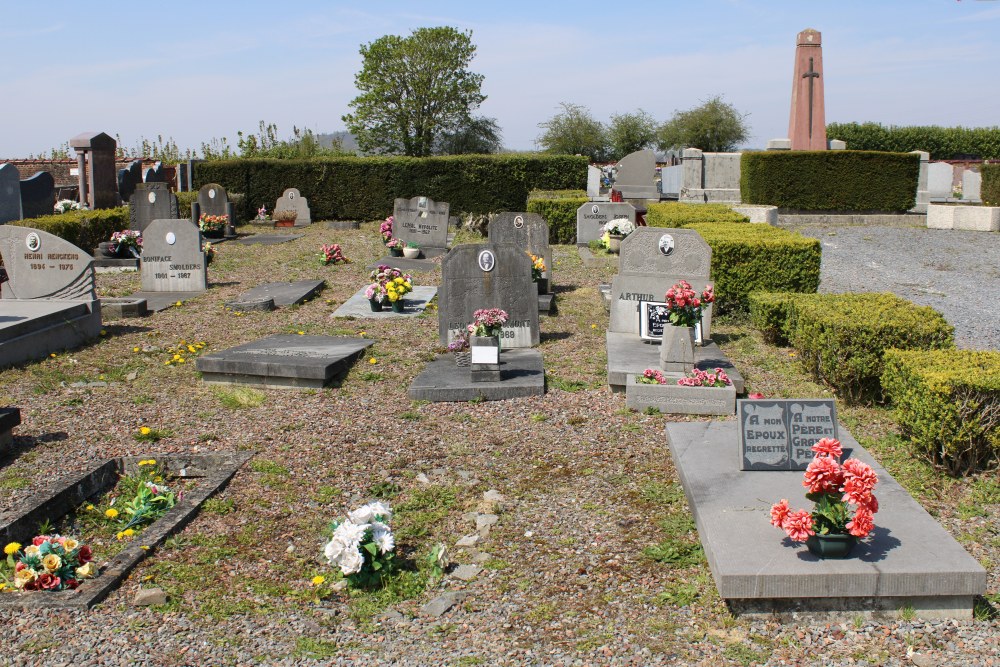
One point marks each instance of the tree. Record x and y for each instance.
(574, 131)
(713, 127)
(413, 89)
(476, 135)
(630, 132)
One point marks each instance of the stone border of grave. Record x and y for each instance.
(676, 399)
(958, 216)
(19, 524)
(797, 217)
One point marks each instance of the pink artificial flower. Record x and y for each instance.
(40, 540)
(829, 447)
(823, 475)
(778, 513)
(858, 483)
(756, 396)
(798, 525)
(862, 524)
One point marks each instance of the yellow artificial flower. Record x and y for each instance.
(111, 513)
(24, 577)
(53, 355)
(176, 357)
(51, 562)
(145, 430)
(317, 580)
(69, 544)
(87, 570)
(12, 548)
(145, 547)
(166, 363)
(31, 551)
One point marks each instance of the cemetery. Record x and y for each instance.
(504, 409)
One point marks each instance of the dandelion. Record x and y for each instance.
(318, 580)
(53, 355)
(12, 548)
(111, 513)
(135, 349)
(301, 333)
(89, 508)
(593, 326)
(145, 430)
(372, 360)
(103, 332)
(178, 303)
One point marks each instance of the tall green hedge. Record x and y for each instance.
(990, 192)
(830, 180)
(84, 229)
(677, 214)
(559, 212)
(353, 188)
(748, 258)
(943, 143)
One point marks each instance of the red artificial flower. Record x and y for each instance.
(84, 555)
(756, 396)
(859, 481)
(823, 475)
(47, 582)
(778, 513)
(18, 566)
(40, 540)
(72, 583)
(862, 524)
(798, 525)
(829, 447)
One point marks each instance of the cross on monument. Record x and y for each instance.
(811, 75)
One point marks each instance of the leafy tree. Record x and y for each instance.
(630, 132)
(714, 126)
(574, 131)
(475, 135)
(414, 89)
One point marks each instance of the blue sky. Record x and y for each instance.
(197, 70)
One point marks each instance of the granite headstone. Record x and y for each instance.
(38, 195)
(172, 259)
(95, 160)
(212, 199)
(778, 434)
(151, 201)
(636, 177)
(592, 216)
(10, 193)
(128, 178)
(527, 231)
(940, 177)
(292, 200)
(421, 220)
(475, 276)
(972, 185)
(44, 266)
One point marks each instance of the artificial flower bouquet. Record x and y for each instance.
(388, 283)
(262, 214)
(652, 376)
(49, 563)
(66, 205)
(150, 497)
(209, 251)
(684, 304)
(363, 546)
(331, 253)
(212, 223)
(487, 322)
(127, 240)
(619, 227)
(459, 343)
(537, 267)
(385, 229)
(700, 378)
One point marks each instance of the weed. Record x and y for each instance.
(371, 376)
(325, 495)
(268, 467)
(676, 553)
(557, 382)
(678, 593)
(576, 421)
(385, 489)
(219, 506)
(744, 654)
(239, 397)
(307, 647)
(538, 417)
(907, 613)
(410, 415)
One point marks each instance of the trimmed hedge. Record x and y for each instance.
(748, 258)
(841, 338)
(943, 143)
(560, 213)
(948, 404)
(770, 313)
(355, 188)
(676, 214)
(830, 180)
(556, 194)
(990, 192)
(84, 229)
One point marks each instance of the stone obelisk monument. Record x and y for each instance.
(807, 122)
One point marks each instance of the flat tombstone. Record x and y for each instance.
(43, 266)
(636, 177)
(940, 177)
(10, 193)
(151, 201)
(421, 220)
(292, 200)
(527, 231)
(778, 434)
(172, 260)
(592, 216)
(475, 276)
(38, 195)
(128, 178)
(594, 175)
(212, 199)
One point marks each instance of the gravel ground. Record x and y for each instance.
(587, 486)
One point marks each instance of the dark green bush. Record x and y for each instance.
(947, 403)
(560, 213)
(84, 229)
(353, 188)
(556, 194)
(830, 180)
(750, 258)
(841, 338)
(990, 192)
(676, 214)
(943, 143)
(184, 201)
(770, 313)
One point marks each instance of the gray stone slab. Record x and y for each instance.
(38, 195)
(527, 231)
(10, 193)
(421, 220)
(546, 304)
(592, 216)
(940, 179)
(408, 265)
(909, 556)
(119, 307)
(284, 294)
(629, 355)
(159, 301)
(264, 304)
(972, 187)
(283, 360)
(172, 259)
(594, 175)
(674, 399)
(414, 303)
(151, 201)
(589, 259)
(636, 176)
(32, 329)
(522, 374)
(119, 264)
(268, 239)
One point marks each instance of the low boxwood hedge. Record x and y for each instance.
(676, 214)
(559, 212)
(990, 189)
(84, 229)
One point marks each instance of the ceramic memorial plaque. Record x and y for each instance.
(778, 434)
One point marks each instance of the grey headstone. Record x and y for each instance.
(670, 181)
(940, 177)
(128, 178)
(172, 260)
(779, 145)
(972, 185)
(593, 181)
(592, 216)
(212, 199)
(421, 220)
(43, 266)
(467, 287)
(10, 193)
(527, 231)
(155, 174)
(292, 200)
(636, 177)
(778, 434)
(151, 201)
(38, 195)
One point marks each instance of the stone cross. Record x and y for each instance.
(811, 74)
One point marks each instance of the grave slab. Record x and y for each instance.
(522, 373)
(414, 303)
(410, 265)
(268, 239)
(674, 399)
(908, 561)
(629, 355)
(9, 418)
(119, 307)
(115, 264)
(283, 294)
(283, 361)
(160, 301)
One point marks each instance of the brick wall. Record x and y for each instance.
(60, 169)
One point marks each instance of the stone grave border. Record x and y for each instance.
(213, 472)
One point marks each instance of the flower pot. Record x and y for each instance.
(485, 361)
(543, 285)
(397, 306)
(284, 223)
(107, 249)
(213, 233)
(831, 546)
(411, 253)
(615, 243)
(677, 349)
(395, 252)
(463, 358)
(376, 305)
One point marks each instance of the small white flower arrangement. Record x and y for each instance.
(66, 205)
(620, 227)
(363, 545)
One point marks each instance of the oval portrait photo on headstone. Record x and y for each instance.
(666, 245)
(152, 197)
(487, 260)
(211, 193)
(171, 238)
(33, 242)
(596, 209)
(518, 221)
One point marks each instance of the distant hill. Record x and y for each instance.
(347, 140)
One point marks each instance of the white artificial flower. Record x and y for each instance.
(351, 533)
(367, 513)
(351, 561)
(334, 550)
(382, 537)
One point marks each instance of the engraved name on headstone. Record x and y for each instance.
(421, 220)
(592, 216)
(172, 260)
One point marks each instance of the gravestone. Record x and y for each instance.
(128, 178)
(592, 216)
(155, 174)
(421, 220)
(10, 193)
(636, 177)
(172, 260)
(593, 181)
(212, 199)
(292, 200)
(95, 163)
(38, 195)
(807, 120)
(475, 276)
(778, 434)
(527, 231)
(151, 201)
(972, 185)
(940, 179)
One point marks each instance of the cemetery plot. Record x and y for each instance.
(292, 201)
(530, 232)
(521, 374)
(66, 507)
(592, 216)
(423, 221)
(279, 294)
(414, 303)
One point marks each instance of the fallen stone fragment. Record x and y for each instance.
(469, 541)
(147, 597)
(442, 603)
(423, 479)
(467, 572)
(486, 521)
